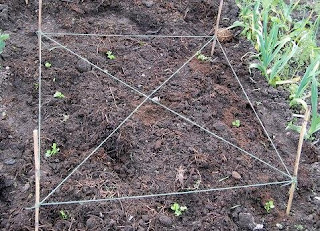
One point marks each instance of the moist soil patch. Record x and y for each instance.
(155, 151)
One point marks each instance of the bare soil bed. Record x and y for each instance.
(155, 151)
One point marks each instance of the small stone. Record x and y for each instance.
(25, 187)
(219, 126)
(91, 223)
(236, 175)
(165, 220)
(3, 115)
(83, 66)
(4, 12)
(10, 161)
(158, 144)
(145, 218)
(258, 227)
(148, 3)
(279, 226)
(246, 221)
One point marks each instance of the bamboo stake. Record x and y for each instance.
(37, 179)
(217, 28)
(36, 133)
(296, 165)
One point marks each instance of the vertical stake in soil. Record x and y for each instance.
(37, 133)
(296, 165)
(217, 28)
(37, 179)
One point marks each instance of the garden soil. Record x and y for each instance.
(155, 151)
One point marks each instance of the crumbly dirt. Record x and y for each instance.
(155, 151)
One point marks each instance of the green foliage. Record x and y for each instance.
(299, 227)
(53, 151)
(268, 206)
(178, 210)
(47, 64)
(236, 123)
(58, 95)
(3, 38)
(286, 47)
(309, 83)
(110, 55)
(63, 215)
(202, 57)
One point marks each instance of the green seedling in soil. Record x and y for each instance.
(47, 64)
(236, 123)
(178, 210)
(110, 55)
(53, 151)
(3, 38)
(268, 206)
(202, 57)
(63, 215)
(58, 95)
(299, 227)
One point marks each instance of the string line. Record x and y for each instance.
(165, 194)
(254, 110)
(172, 111)
(147, 97)
(124, 121)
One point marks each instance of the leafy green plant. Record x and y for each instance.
(47, 64)
(299, 227)
(202, 57)
(53, 151)
(178, 210)
(110, 55)
(269, 205)
(309, 80)
(3, 38)
(286, 47)
(58, 95)
(236, 123)
(63, 215)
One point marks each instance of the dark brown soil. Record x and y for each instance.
(155, 151)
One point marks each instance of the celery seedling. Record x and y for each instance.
(58, 95)
(178, 210)
(53, 151)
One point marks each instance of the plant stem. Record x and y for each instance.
(217, 28)
(296, 165)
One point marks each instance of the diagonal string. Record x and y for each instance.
(252, 107)
(176, 113)
(219, 137)
(165, 194)
(125, 120)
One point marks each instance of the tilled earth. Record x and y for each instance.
(155, 151)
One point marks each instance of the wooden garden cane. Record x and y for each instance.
(37, 179)
(296, 165)
(216, 28)
(36, 140)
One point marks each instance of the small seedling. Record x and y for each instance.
(236, 123)
(202, 57)
(268, 206)
(47, 64)
(63, 215)
(53, 151)
(3, 38)
(178, 210)
(299, 227)
(58, 95)
(110, 55)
